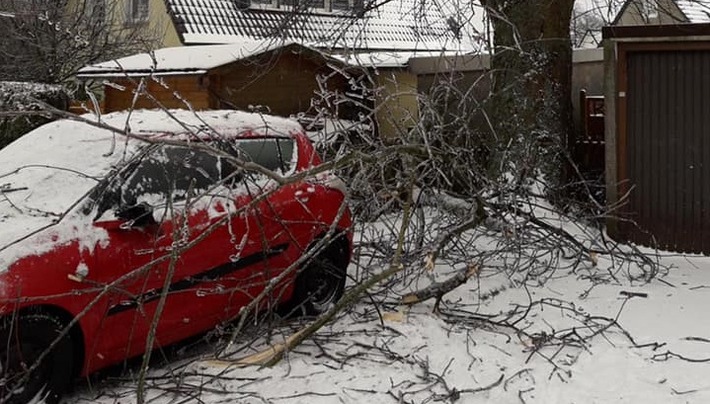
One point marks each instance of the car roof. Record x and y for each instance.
(201, 124)
(80, 145)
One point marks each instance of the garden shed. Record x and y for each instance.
(280, 78)
(657, 123)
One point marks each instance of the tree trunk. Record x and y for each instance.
(531, 107)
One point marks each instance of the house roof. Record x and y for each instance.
(695, 10)
(389, 59)
(403, 25)
(186, 59)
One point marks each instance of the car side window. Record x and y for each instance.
(172, 171)
(275, 154)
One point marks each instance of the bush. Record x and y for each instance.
(21, 97)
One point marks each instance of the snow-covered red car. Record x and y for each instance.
(175, 221)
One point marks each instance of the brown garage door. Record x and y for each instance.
(668, 149)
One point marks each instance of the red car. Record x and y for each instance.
(184, 221)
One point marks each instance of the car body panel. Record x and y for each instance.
(208, 257)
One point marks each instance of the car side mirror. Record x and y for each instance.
(138, 215)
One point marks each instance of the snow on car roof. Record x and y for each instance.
(81, 146)
(47, 171)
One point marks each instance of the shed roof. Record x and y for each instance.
(385, 25)
(186, 59)
(664, 32)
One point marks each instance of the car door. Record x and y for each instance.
(279, 220)
(172, 230)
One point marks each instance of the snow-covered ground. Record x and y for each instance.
(565, 347)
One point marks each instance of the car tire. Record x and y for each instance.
(23, 340)
(319, 285)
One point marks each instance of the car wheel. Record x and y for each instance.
(319, 285)
(23, 379)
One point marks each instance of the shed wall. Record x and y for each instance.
(169, 92)
(287, 83)
(664, 149)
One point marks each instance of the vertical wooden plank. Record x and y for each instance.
(660, 157)
(638, 96)
(668, 155)
(622, 178)
(704, 172)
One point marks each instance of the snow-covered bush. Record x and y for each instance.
(23, 101)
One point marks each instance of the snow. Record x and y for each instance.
(400, 24)
(390, 59)
(696, 11)
(46, 173)
(188, 59)
(415, 355)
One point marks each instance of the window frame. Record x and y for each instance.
(137, 11)
(282, 6)
(649, 9)
(96, 10)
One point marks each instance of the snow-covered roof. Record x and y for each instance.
(201, 58)
(388, 59)
(693, 11)
(393, 25)
(183, 59)
(696, 11)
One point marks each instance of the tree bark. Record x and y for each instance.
(532, 75)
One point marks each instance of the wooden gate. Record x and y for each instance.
(588, 147)
(664, 145)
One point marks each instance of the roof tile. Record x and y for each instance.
(396, 25)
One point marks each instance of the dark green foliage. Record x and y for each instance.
(25, 98)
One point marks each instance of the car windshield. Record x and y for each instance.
(163, 172)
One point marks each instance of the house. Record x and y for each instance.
(336, 25)
(379, 36)
(657, 12)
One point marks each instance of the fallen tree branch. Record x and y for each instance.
(274, 354)
(439, 289)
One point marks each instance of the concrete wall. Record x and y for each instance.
(470, 75)
(396, 104)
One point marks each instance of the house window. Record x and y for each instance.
(96, 10)
(649, 9)
(137, 11)
(303, 5)
(307, 5)
(340, 5)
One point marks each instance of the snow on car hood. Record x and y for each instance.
(45, 174)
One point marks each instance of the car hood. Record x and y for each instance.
(44, 177)
(25, 235)
(36, 198)
(17, 229)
